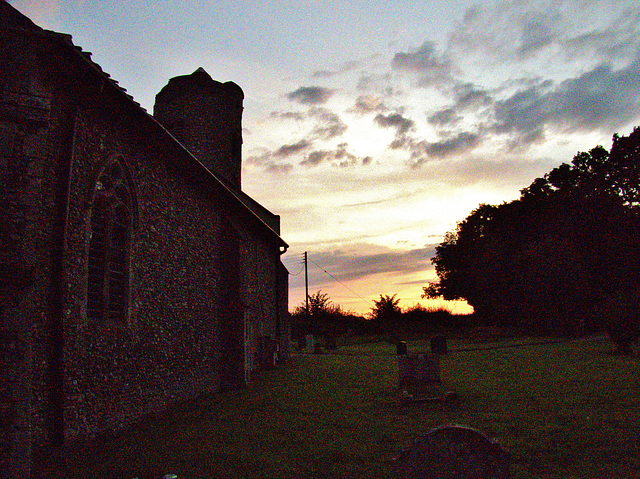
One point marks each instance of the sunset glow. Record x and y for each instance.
(371, 128)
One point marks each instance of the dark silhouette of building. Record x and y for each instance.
(134, 272)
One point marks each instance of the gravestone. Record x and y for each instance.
(418, 369)
(453, 452)
(310, 342)
(439, 345)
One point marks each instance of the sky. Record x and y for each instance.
(373, 127)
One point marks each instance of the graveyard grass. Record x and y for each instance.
(563, 410)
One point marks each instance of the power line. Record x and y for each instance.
(364, 299)
(299, 272)
(301, 268)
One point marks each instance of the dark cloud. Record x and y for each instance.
(348, 267)
(460, 143)
(278, 168)
(339, 157)
(601, 99)
(316, 157)
(292, 149)
(310, 95)
(395, 120)
(468, 98)
(508, 31)
(467, 95)
(422, 150)
(445, 117)
(434, 69)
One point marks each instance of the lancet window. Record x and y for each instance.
(109, 247)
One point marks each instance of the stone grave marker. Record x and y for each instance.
(418, 369)
(453, 452)
(439, 345)
(310, 342)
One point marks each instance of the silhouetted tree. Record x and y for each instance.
(325, 318)
(386, 308)
(547, 260)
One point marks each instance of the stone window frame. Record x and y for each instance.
(112, 218)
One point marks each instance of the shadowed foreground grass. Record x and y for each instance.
(567, 410)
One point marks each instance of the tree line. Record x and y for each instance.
(562, 259)
(326, 319)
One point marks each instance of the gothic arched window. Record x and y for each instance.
(109, 245)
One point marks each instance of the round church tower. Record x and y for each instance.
(206, 117)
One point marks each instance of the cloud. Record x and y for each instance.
(292, 149)
(330, 125)
(600, 99)
(345, 67)
(422, 151)
(339, 157)
(316, 157)
(514, 31)
(395, 120)
(433, 69)
(349, 266)
(278, 168)
(380, 82)
(460, 143)
(367, 104)
(310, 95)
(508, 31)
(444, 117)
(289, 115)
(320, 125)
(467, 95)
(537, 31)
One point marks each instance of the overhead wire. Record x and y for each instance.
(299, 272)
(325, 271)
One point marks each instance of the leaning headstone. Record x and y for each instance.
(418, 369)
(453, 452)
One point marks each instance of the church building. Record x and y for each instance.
(134, 272)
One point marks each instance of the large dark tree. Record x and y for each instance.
(553, 259)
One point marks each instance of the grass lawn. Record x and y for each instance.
(564, 410)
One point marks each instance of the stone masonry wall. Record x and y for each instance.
(168, 348)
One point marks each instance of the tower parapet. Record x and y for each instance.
(206, 117)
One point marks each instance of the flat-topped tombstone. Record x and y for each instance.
(453, 452)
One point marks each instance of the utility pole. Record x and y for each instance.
(306, 282)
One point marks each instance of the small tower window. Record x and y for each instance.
(109, 246)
